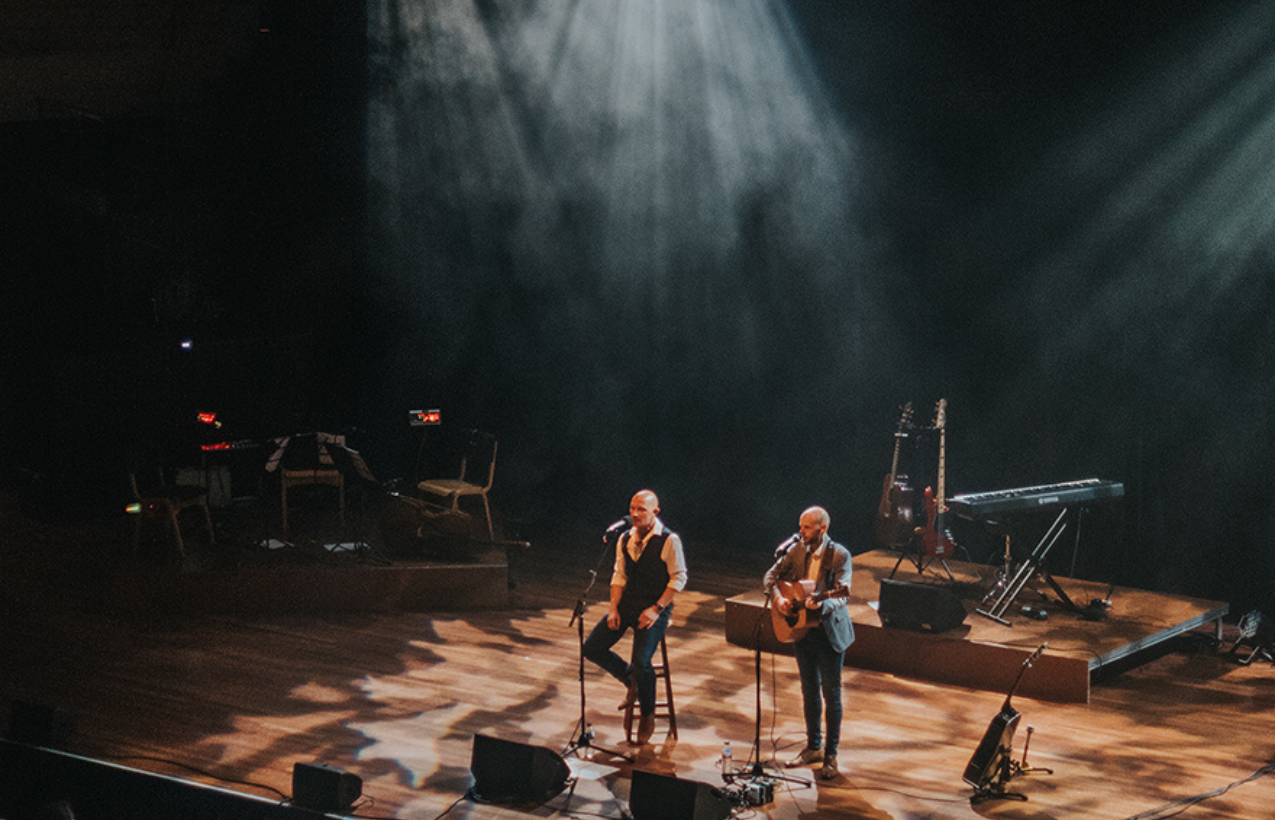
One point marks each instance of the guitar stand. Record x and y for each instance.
(995, 789)
(1260, 653)
(1257, 633)
(914, 552)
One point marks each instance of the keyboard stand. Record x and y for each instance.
(1001, 596)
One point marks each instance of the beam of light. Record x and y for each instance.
(659, 123)
(1144, 310)
(543, 173)
(1175, 177)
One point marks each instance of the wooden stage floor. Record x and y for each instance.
(396, 698)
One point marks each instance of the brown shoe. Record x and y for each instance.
(807, 757)
(646, 728)
(630, 697)
(829, 770)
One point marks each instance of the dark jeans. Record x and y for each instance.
(820, 669)
(597, 648)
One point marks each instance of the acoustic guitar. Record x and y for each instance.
(991, 766)
(792, 628)
(894, 511)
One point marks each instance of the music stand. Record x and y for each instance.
(582, 736)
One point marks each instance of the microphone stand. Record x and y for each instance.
(582, 736)
(757, 773)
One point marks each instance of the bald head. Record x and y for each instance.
(644, 507)
(646, 497)
(814, 524)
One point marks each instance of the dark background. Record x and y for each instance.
(803, 215)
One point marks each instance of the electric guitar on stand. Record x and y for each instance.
(894, 512)
(936, 539)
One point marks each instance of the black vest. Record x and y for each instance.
(647, 577)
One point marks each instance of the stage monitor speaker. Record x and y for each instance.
(324, 788)
(506, 771)
(919, 607)
(37, 724)
(663, 797)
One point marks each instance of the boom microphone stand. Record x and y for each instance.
(582, 737)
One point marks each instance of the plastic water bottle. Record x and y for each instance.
(726, 758)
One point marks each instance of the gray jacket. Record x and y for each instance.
(834, 615)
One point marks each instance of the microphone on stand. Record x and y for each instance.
(782, 549)
(623, 523)
(780, 552)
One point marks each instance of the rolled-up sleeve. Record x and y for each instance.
(618, 576)
(675, 560)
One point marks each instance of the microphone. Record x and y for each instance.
(782, 549)
(1034, 613)
(623, 523)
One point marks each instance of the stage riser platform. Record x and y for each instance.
(937, 658)
(981, 653)
(312, 590)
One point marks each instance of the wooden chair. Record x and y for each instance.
(163, 500)
(481, 445)
(664, 708)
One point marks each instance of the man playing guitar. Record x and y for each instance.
(812, 556)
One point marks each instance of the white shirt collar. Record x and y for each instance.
(634, 541)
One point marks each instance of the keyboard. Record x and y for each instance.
(1088, 491)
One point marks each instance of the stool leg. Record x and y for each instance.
(340, 500)
(661, 671)
(177, 530)
(668, 690)
(212, 537)
(283, 503)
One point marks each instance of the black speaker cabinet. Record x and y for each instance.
(662, 797)
(324, 788)
(506, 771)
(919, 607)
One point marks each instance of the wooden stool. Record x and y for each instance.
(663, 708)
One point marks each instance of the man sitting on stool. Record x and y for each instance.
(649, 570)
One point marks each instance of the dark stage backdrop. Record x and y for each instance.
(711, 247)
